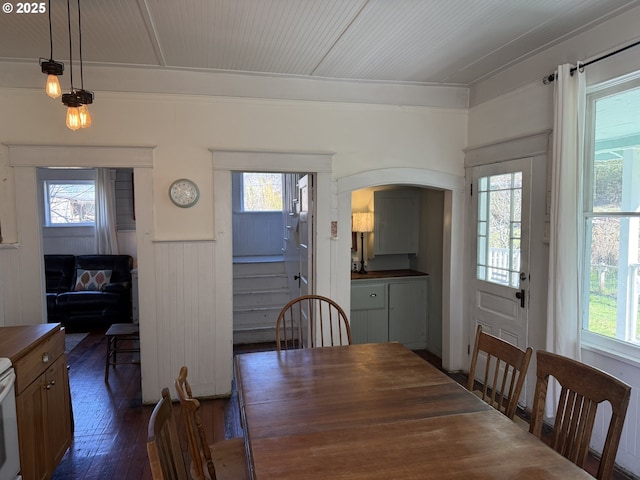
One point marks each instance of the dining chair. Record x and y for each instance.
(223, 460)
(163, 445)
(505, 368)
(583, 388)
(312, 321)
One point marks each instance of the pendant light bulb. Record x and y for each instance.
(53, 86)
(85, 116)
(73, 118)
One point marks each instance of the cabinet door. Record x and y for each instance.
(30, 407)
(396, 221)
(58, 408)
(408, 313)
(44, 422)
(369, 313)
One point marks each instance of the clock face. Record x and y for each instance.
(184, 193)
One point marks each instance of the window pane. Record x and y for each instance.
(499, 229)
(616, 161)
(612, 238)
(261, 192)
(614, 281)
(71, 203)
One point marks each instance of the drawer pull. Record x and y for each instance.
(46, 358)
(373, 294)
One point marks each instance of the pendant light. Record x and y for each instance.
(76, 100)
(52, 68)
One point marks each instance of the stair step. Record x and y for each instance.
(260, 298)
(260, 282)
(258, 335)
(260, 290)
(258, 268)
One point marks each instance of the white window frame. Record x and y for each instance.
(47, 207)
(620, 350)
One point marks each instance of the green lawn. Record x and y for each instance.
(602, 314)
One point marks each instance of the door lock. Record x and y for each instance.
(521, 295)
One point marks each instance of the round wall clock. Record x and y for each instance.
(184, 193)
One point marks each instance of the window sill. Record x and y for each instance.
(612, 348)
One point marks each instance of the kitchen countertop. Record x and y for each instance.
(377, 274)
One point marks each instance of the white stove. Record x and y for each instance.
(9, 455)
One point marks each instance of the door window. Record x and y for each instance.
(499, 229)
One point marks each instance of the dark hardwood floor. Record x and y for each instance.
(111, 422)
(110, 433)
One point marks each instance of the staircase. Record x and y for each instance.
(260, 290)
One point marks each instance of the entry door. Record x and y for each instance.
(299, 255)
(305, 234)
(299, 220)
(500, 202)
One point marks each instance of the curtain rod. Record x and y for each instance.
(550, 78)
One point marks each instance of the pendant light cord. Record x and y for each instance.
(50, 34)
(70, 49)
(80, 43)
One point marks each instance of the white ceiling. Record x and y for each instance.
(439, 42)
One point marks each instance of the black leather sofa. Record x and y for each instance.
(85, 292)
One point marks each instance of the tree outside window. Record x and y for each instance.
(261, 192)
(70, 203)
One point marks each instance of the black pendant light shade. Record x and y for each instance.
(52, 68)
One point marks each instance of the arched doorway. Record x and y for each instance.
(454, 334)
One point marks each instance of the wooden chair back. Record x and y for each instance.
(505, 369)
(583, 388)
(312, 321)
(163, 445)
(196, 435)
(222, 460)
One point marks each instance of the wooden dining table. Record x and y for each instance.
(377, 411)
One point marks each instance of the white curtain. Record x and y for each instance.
(565, 261)
(106, 239)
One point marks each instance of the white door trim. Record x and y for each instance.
(535, 146)
(454, 329)
(226, 161)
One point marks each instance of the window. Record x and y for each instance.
(612, 214)
(261, 192)
(499, 229)
(69, 202)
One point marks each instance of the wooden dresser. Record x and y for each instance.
(42, 395)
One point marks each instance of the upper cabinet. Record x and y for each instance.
(396, 221)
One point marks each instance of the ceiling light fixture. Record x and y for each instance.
(52, 68)
(76, 100)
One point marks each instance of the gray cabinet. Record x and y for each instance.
(408, 312)
(369, 312)
(396, 221)
(390, 310)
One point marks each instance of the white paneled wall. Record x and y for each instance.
(257, 233)
(127, 244)
(73, 243)
(10, 310)
(186, 325)
(627, 371)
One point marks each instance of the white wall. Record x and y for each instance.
(515, 103)
(180, 325)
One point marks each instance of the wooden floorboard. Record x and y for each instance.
(111, 421)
